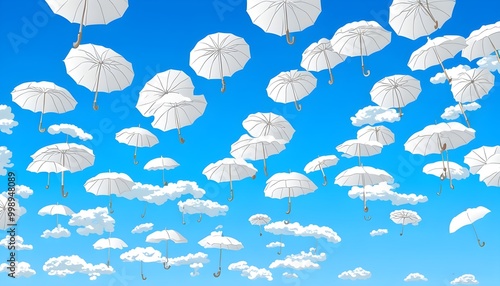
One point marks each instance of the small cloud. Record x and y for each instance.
(22, 191)
(145, 227)
(19, 243)
(7, 121)
(295, 229)
(374, 114)
(160, 194)
(22, 269)
(415, 277)
(452, 73)
(58, 232)
(300, 261)
(66, 265)
(290, 275)
(490, 62)
(92, 221)
(384, 192)
(70, 130)
(207, 207)
(251, 272)
(275, 244)
(356, 274)
(219, 227)
(147, 255)
(5, 156)
(453, 112)
(466, 279)
(196, 267)
(379, 232)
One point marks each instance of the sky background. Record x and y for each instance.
(156, 36)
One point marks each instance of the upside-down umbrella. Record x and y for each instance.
(405, 217)
(483, 42)
(88, 12)
(282, 17)
(56, 210)
(416, 18)
(108, 183)
(219, 55)
(229, 170)
(71, 156)
(358, 148)
(395, 91)
(46, 167)
(362, 39)
(217, 240)
(457, 172)
(481, 157)
(435, 52)
(469, 216)
(260, 220)
(381, 134)
(288, 185)
(43, 97)
(320, 56)
(262, 124)
(108, 243)
(320, 163)
(99, 69)
(260, 148)
(291, 86)
(161, 164)
(138, 137)
(166, 235)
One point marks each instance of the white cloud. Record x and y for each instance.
(453, 112)
(457, 172)
(7, 121)
(415, 277)
(92, 221)
(295, 229)
(356, 274)
(147, 255)
(251, 272)
(196, 267)
(275, 244)
(383, 192)
(22, 269)
(195, 262)
(374, 114)
(22, 191)
(67, 265)
(490, 62)
(379, 232)
(160, 194)
(57, 232)
(144, 227)
(197, 206)
(69, 129)
(5, 155)
(300, 261)
(452, 73)
(19, 243)
(466, 279)
(290, 275)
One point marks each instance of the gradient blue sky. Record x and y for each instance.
(158, 35)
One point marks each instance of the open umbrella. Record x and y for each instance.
(458, 172)
(6, 217)
(480, 157)
(282, 17)
(291, 86)
(106, 184)
(362, 39)
(88, 12)
(217, 240)
(320, 163)
(56, 210)
(380, 134)
(395, 91)
(469, 216)
(320, 56)
(262, 124)
(260, 220)
(483, 42)
(166, 235)
(99, 69)
(44, 97)
(108, 243)
(490, 174)
(138, 137)
(46, 167)
(219, 55)
(161, 164)
(405, 217)
(358, 148)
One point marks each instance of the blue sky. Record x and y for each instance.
(158, 36)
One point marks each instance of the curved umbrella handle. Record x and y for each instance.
(365, 73)
(135, 159)
(481, 244)
(223, 89)
(289, 40)
(279, 252)
(40, 128)
(367, 218)
(436, 24)
(254, 176)
(298, 106)
(183, 221)
(440, 190)
(111, 207)
(289, 206)
(64, 195)
(166, 266)
(95, 106)
(48, 181)
(143, 277)
(231, 198)
(331, 77)
(181, 139)
(286, 222)
(216, 275)
(325, 181)
(199, 220)
(366, 209)
(78, 40)
(145, 208)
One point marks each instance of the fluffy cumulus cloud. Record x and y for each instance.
(466, 279)
(490, 62)
(57, 232)
(70, 130)
(5, 156)
(92, 221)
(457, 171)
(356, 274)
(453, 112)
(18, 243)
(415, 277)
(160, 194)
(379, 232)
(452, 73)
(22, 269)
(196, 267)
(144, 227)
(384, 192)
(295, 229)
(290, 275)
(7, 121)
(147, 255)
(374, 114)
(251, 272)
(275, 244)
(22, 191)
(68, 265)
(195, 262)
(301, 261)
(207, 207)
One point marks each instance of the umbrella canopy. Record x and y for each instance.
(469, 216)
(263, 124)
(380, 134)
(416, 18)
(320, 56)
(6, 217)
(395, 91)
(99, 69)
(56, 210)
(362, 39)
(105, 184)
(291, 86)
(219, 55)
(108, 243)
(405, 217)
(320, 163)
(481, 157)
(46, 167)
(260, 220)
(283, 17)
(44, 97)
(161, 164)
(483, 42)
(88, 12)
(490, 174)
(217, 240)
(138, 137)
(166, 235)
(455, 170)
(357, 147)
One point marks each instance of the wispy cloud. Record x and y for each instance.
(145, 227)
(69, 129)
(453, 112)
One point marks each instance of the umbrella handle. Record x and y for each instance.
(365, 73)
(111, 207)
(64, 195)
(78, 41)
(298, 106)
(95, 106)
(145, 208)
(436, 24)
(199, 220)
(481, 244)
(289, 40)
(181, 139)
(135, 159)
(331, 77)
(286, 221)
(143, 277)
(367, 218)
(216, 275)
(253, 177)
(40, 128)
(325, 181)
(48, 181)
(366, 209)
(232, 195)
(289, 206)
(440, 190)
(279, 253)
(183, 221)
(223, 89)
(166, 266)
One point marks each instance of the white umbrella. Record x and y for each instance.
(45, 167)
(490, 174)
(260, 220)
(405, 217)
(469, 216)
(44, 97)
(218, 240)
(416, 18)
(166, 235)
(357, 147)
(56, 210)
(320, 163)
(291, 86)
(481, 157)
(99, 69)
(483, 42)
(229, 170)
(282, 17)
(219, 55)
(395, 91)
(105, 184)
(108, 243)
(7, 216)
(161, 164)
(435, 51)
(381, 134)
(88, 12)
(457, 172)
(138, 137)
(262, 124)
(320, 56)
(361, 38)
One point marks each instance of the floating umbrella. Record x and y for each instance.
(291, 86)
(356, 147)
(217, 240)
(458, 172)
(395, 91)
(381, 134)
(320, 163)
(362, 39)
(44, 97)
(108, 243)
(405, 217)
(469, 216)
(263, 124)
(56, 210)
(6, 218)
(161, 164)
(99, 69)
(282, 17)
(106, 184)
(166, 235)
(490, 174)
(483, 42)
(320, 56)
(260, 220)
(481, 157)
(88, 12)
(138, 137)
(219, 55)
(46, 167)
